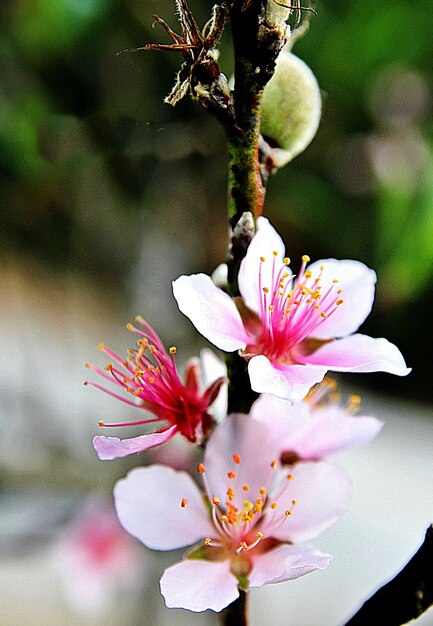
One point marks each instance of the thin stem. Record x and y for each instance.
(236, 614)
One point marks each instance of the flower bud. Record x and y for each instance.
(291, 108)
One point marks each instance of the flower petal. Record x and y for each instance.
(109, 448)
(359, 353)
(292, 382)
(212, 368)
(263, 244)
(313, 432)
(211, 310)
(322, 492)
(332, 429)
(251, 440)
(199, 585)
(286, 563)
(357, 283)
(148, 506)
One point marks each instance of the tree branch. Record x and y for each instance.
(405, 597)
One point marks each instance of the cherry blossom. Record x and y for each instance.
(290, 328)
(247, 523)
(150, 378)
(316, 427)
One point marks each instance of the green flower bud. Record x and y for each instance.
(291, 108)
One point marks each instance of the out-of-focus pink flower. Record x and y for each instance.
(248, 523)
(291, 329)
(150, 377)
(316, 427)
(95, 559)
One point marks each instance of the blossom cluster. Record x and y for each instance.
(267, 483)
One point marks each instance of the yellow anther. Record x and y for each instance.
(183, 503)
(305, 258)
(287, 512)
(273, 506)
(339, 291)
(85, 382)
(230, 493)
(262, 491)
(265, 290)
(225, 518)
(200, 468)
(246, 487)
(335, 281)
(248, 506)
(100, 423)
(139, 319)
(243, 545)
(173, 350)
(286, 261)
(274, 464)
(216, 501)
(207, 541)
(237, 459)
(260, 535)
(262, 259)
(308, 274)
(231, 475)
(108, 367)
(293, 502)
(271, 308)
(289, 476)
(275, 252)
(340, 301)
(355, 398)
(151, 380)
(323, 314)
(101, 346)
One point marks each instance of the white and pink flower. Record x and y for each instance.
(316, 427)
(150, 378)
(291, 329)
(248, 523)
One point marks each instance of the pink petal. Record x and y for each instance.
(286, 563)
(357, 283)
(291, 382)
(359, 353)
(109, 448)
(148, 506)
(288, 423)
(239, 434)
(332, 429)
(199, 585)
(322, 492)
(211, 310)
(264, 243)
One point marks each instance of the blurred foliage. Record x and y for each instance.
(91, 160)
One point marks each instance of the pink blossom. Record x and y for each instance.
(248, 523)
(150, 377)
(291, 329)
(316, 427)
(95, 559)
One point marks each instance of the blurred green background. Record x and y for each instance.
(107, 194)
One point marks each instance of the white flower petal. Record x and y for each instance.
(357, 283)
(211, 310)
(148, 506)
(286, 563)
(291, 382)
(199, 585)
(265, 242)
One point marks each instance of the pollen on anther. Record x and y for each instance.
(184, 503)
(260, 535)
(207, 541)
(340, 301)
(289, 476)
(216, 501)
(305, 258)
(173, 350)
(262, 259)
(274, 464)
(101, 346)
(237, 459)
(323, 314)
(265, 290)
(262, 491)
(200, 468)
(231, 475)
(271, 308)
(287, 512)
(286, 261)
(275, 252)
(246, 487)
(273, 506)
